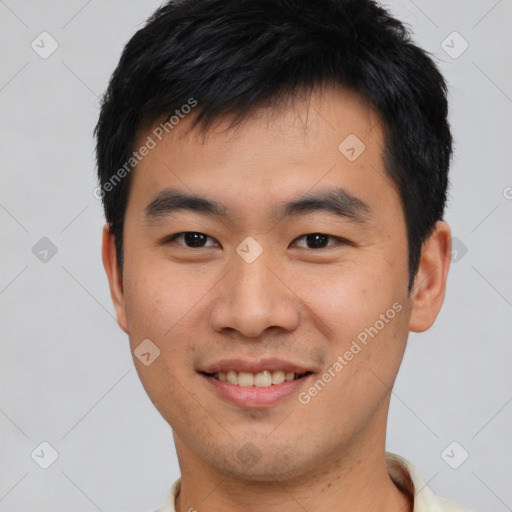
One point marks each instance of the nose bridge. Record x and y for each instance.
(253, 286)
(252, 280)
(253, 298)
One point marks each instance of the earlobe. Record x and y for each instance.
(109, 258)
(428, 293)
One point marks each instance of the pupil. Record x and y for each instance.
(317, 240)
(195, 239)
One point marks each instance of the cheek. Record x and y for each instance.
(160, 304)
(367, 340)
(159, 297)
(167, 305)
(363, 316)
(346, 298)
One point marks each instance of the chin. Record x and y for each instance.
(265, 472)
(270, 464)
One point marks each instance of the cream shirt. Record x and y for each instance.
(402, 472)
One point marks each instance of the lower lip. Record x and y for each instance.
(253, 397)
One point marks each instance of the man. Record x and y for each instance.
(274, 177)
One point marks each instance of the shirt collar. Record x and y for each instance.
(406, 477)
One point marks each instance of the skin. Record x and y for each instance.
(199, 305)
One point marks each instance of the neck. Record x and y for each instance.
(354, 480)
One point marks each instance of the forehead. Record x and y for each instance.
(331, 137)
(313, 117)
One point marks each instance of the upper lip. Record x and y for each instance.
(255, 366)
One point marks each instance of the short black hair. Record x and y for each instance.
(233, 55)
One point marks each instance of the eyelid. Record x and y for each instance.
(338, 240)
(171, 238)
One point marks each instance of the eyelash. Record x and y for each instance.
(339, 240)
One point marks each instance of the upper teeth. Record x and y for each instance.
(260, 380)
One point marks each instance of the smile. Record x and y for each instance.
(262, 379)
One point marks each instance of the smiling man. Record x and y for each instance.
(274, 177)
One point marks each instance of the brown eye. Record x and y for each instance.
(318, 240)
(191, 239)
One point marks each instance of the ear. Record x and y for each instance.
(427, 295)
(108, 253)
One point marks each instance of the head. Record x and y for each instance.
(304, 146)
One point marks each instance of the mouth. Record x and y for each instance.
(255, 384)
(263, 379)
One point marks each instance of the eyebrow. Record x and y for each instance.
(335, 201)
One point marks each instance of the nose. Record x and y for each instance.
(254, 297)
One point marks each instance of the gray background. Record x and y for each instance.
(66, 374)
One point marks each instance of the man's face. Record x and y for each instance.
(250, 291)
